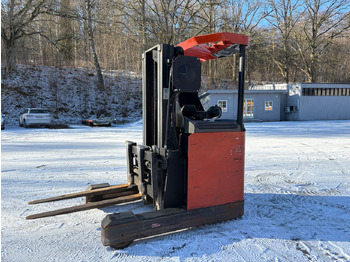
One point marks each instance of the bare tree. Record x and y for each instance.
(323, 21)
(90, 6)
(208, 21)
(17, 22)
(66, 30)
(143, 25)
(169, 20)
(242, 17)
(133, 17)
(284, 15)
(289, 46)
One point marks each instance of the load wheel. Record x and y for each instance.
(146, 199)
(121, 245)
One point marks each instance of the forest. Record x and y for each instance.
(291, 40)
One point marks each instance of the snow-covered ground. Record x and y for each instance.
(297, 197)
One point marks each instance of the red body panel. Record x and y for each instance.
(215, 169)
(204, 46)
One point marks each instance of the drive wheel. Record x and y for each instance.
(25, 123)
(121, 245)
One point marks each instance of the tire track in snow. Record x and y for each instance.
(312, 223)
(280, 182)
(322, 251)
(305, 213)
(295, 182)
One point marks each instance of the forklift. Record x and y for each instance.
(190, 166)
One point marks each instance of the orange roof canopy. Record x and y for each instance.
(212, 46)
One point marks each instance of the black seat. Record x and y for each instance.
(192, 108)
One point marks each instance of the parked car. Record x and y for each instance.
(35, 117)
(2, 122)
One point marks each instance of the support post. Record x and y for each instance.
(241, 86)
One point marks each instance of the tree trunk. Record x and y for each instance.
(9, 40)
(10, 56)
(143, 27)
(100, 81)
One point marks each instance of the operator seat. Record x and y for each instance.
(189, 105)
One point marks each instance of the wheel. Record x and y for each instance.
(121, 245)
(25, 123)
(146, 199)
(19, 123)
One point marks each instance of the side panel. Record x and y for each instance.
(215, 169)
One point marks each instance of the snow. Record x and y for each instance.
(297, 196)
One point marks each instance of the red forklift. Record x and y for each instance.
(190, 166)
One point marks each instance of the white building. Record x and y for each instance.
(297, 101)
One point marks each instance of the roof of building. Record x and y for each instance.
(276, 88)
(235, 91)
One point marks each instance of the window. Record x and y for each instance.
(223, 105)
(268, 105)
(248, 110)
(326, 91)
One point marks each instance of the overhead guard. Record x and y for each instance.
(212, 46)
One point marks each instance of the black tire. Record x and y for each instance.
(25, 123)
(19, 123)
(121, 245)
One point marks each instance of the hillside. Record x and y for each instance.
(71, 94)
